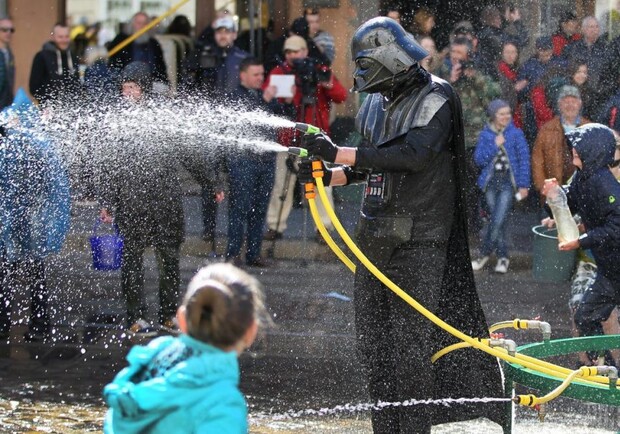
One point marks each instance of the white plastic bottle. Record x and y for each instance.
(564, 221)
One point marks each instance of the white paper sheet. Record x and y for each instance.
(284, 83)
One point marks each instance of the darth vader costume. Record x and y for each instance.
(413, 227)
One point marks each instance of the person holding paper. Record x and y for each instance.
(316, 88)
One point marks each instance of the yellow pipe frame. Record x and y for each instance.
(146, 28)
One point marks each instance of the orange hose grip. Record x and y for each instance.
(310, 192)
(317, 169)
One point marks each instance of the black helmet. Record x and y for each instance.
(381, 49)
(139, 73)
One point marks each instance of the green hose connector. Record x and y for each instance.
(307, 128)
(300, 152)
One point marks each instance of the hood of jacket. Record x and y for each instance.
(139, 405)
(595, 144)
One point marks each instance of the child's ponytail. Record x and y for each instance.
(221, 303)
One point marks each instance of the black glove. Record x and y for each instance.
(304, 175)
(320, 145)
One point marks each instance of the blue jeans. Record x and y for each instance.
(499, 196)
(251, 181)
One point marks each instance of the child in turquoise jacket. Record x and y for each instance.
(189, 384)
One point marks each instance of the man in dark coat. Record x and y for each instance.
(251, 174)
(54, 71)
(144, 198)
(413, 227)
(213, 69)
(144, 49)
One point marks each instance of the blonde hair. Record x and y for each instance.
(222, 302)
(420, 18)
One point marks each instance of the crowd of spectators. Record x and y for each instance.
(571, 77)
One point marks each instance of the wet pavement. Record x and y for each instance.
(307, 361)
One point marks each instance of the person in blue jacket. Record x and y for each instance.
(594, 194)
(35, 204)
(190, 383)
(503, 156)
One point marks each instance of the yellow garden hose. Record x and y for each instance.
(548, 370)
(517, 324)
(310, 195)
(524, 324)
(451, 348)
(584, 371)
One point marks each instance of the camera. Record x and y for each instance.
(309, 72)
(209, 58)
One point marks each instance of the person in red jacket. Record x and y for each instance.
(568, 31)
(316, 88)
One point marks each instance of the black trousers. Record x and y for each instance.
(596, 305)
(31, 273)
(209, 213)
(132, 280)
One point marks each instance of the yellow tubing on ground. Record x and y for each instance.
(310, 194)
(599, 381)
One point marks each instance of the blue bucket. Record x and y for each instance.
(107, 249)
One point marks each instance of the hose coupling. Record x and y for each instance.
(610, 372)
(543, 326)
(508, 344)
(525, 400)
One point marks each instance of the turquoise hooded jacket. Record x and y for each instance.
(198, 395)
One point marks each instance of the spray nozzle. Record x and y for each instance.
(307, 128)
(301, 152)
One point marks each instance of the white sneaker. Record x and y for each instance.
(502, 265)
(479, 263)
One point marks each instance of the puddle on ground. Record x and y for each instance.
(25, 416)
